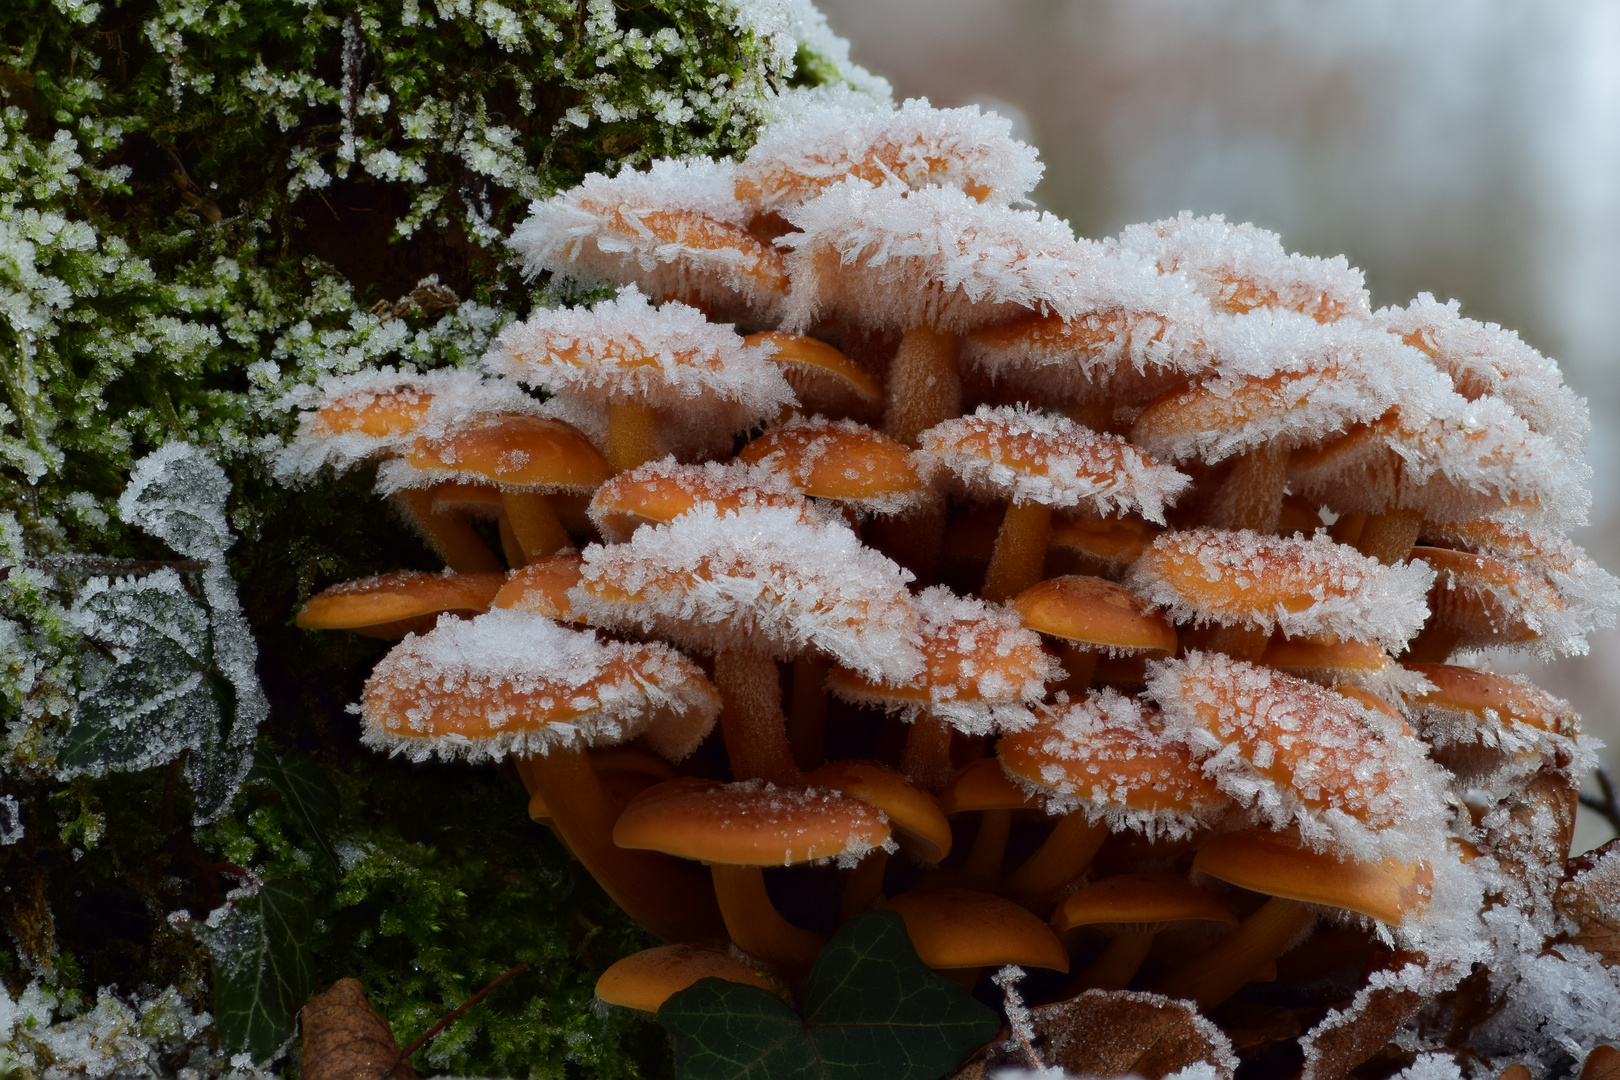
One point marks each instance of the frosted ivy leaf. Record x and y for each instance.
(161, 696)
(178, 495)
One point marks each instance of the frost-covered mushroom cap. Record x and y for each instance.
(823, 379)
(1110, 757)
(749, 824)
(675, 230)
(1490, 601)
(1283, 379)
(1301, 586)
(350, 418)
(1095, 613)
(891, 258)
(1583, 585)
(1454, 459)
(1360, 664)
(1302, 756)
(916, 145)
(1508, 714)
(1031, 457)
(757, 577)
(661, 491)
(515, 453)
(1242, 267)
(983, 668)
(668, 357)
(842, 461)
(513, 683)
(1483, 358)
(1134, 333)
(541, 587)
(1274, 864)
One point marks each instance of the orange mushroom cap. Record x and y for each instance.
(1095, 613)
(823, 379)
(1490, 601)
(645, 980)
(519, 453)
(1139, 900)
(841, 461)
(959, 928)
(542, 587)
(1111, 543)
(396, 604)
(661, 491)
(984, 785)
(750, 824)
(915, 816)
(1278, 865)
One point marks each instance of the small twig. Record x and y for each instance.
(455, 1014)
(236, 872)
(1609, 804)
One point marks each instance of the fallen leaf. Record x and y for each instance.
(1603, 1063)
(1119, 1032)
(1392, 995)
(1516, 1071)
(1590, 898)
(346, 1039)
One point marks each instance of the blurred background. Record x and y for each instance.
(1468, 148)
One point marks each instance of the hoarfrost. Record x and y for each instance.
(1030, 457)
(648, 493)
(892, 258)
(113, 1038)
(1303, 756)
(983, 668)
(757, 578)
(1489, 601)
(1483, 358)
(1298, 586)
(916, 145)
(841, 461)
(1242, 267)
(510, 682)
(1557, 1004)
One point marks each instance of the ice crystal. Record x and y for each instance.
(1242, 267)
(1302, 756)
(757, 578)
(1030, 457)
(508, 682)
(1299, 586)
(648, 492)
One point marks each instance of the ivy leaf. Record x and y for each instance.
(305, 791)
(871, 1008)
(263, 971)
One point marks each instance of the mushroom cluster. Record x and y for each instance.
(1096, 606)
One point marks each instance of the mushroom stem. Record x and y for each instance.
(448, 534)
(1117, 964)
(924, 387)
(534, 524)
(656, 890)
(914, 540)
(632, 434)
(926, 761)
(754, 923)
(983, 866)
(1066, 852)
(1388, 537)
(751, 719)
(1218, 974)
(509, 543)
(807, 724)
(1433, 645)
(864, 885)
(1251, 496)
(1020, 551)
(1096, 413)
(1239, 642)
(1079, 666)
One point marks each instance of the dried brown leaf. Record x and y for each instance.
(1603, 1063)
(1118, 1032)
(1590, 898)
(346, 1039)
(1391, 996)
(1516, 1071)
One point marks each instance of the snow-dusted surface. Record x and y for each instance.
(1297, 585)
(509, 682)
(916, 145)
(1025, 456)
(665, 488)
(1302, 756)
(842, 461)
(753, 578)
(983, 668)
